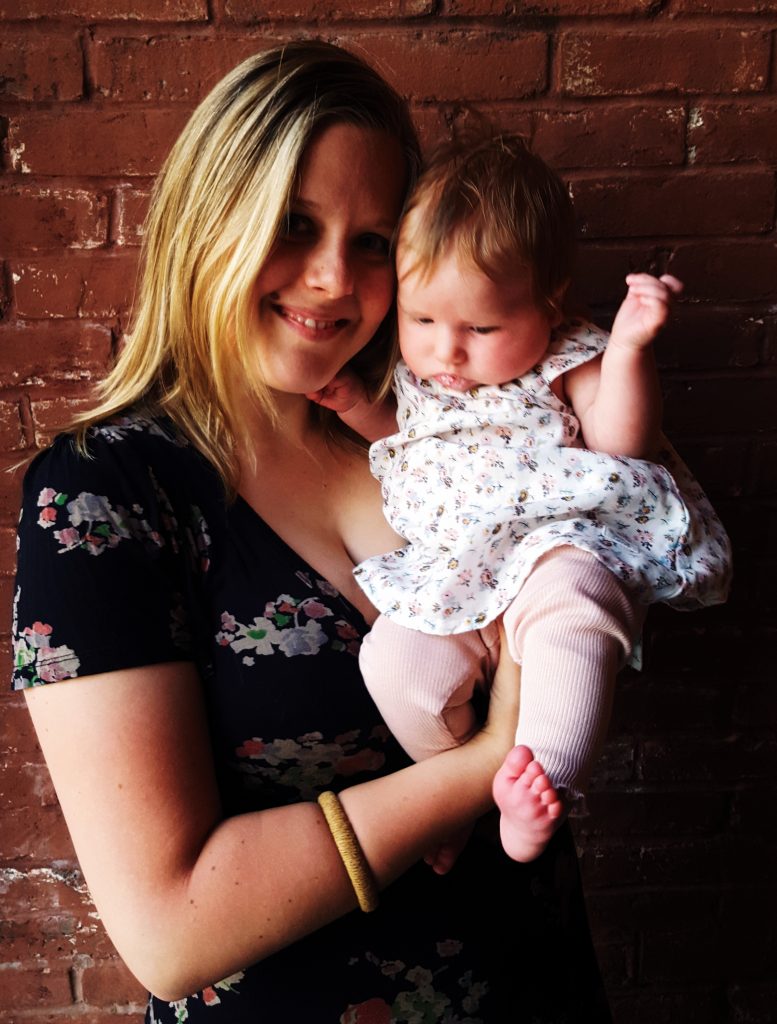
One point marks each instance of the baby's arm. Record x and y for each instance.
(618, 398)
(346, 395)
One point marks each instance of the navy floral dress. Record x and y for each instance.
(134, 557)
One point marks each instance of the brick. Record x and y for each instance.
(705, 337)
(94, 142)
(732, 132)
(6, 601)
(5, 295)
(107, 10)
(34, 218)
(690, 406)
(109, 982)
(166, 68)
(619, 814)
(25, 988)
(645, 1006)
(126, 1015)
(644, 708)
(449, 66)
(687, 60)
(564, 8)
(12, 437)
(744, 271)
(692, 203)
(130, 206)
(724, 6)
(18, 742)
(718, 760)
(50, 416)
(10, 491)
(37, 352)
(719, 469)
(248, 12)
(612, 136)
(753, 1002)
(39, 838)
(675, 862)
(617, 913)
(34, 67)
(615, 764)
(433, 124)
(25, 787)
(7, 551)
(42, 890)
(755, 707)
(765, 480)
(98, 285)
(600, 273)
(703, 952)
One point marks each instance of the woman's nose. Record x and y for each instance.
(328, 269)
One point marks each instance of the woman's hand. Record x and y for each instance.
(498, 732)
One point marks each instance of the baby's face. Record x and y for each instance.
(459, 327)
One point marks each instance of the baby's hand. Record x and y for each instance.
(341, 394)
(645, 309)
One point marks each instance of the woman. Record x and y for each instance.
(185, 579)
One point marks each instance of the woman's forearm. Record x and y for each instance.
(187, 896)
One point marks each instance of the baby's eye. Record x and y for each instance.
(297, 226)
(483, 330)
(374, 244)
(424, 320)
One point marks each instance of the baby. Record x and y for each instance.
(515, 470)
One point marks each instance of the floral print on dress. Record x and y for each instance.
(309, 764)
(121, 427)
(481, 485)
(35, 659)
(90, 523)
(422, 1002)
(209, 996)
(289, 624)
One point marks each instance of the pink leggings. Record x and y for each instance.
(571, 628)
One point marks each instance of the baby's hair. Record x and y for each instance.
(499, 206)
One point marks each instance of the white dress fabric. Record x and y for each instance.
(482, 484)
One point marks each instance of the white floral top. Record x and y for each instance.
(482, 484)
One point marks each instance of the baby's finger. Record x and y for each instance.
(674, 284)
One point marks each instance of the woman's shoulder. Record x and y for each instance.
(122, 450)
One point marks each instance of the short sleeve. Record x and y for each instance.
(104, 565)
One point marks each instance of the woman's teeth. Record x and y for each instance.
(308, 321)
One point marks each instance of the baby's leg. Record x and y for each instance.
(571, 627)
(423, 684)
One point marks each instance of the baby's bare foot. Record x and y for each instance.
(530, 806)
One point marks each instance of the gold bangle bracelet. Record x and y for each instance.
(350, 851)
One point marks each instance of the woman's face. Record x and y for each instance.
(329, 281)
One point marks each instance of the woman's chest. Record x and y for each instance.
(288, 709)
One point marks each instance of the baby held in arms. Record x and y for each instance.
(523, 464)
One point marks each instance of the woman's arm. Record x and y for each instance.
(617, 398)
(187, 896)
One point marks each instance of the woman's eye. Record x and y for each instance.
(424, 320)
(297, 226)
(375, 244)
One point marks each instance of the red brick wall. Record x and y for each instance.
(663, 117)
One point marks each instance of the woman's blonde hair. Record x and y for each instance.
(496, 204)
(218, 206)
